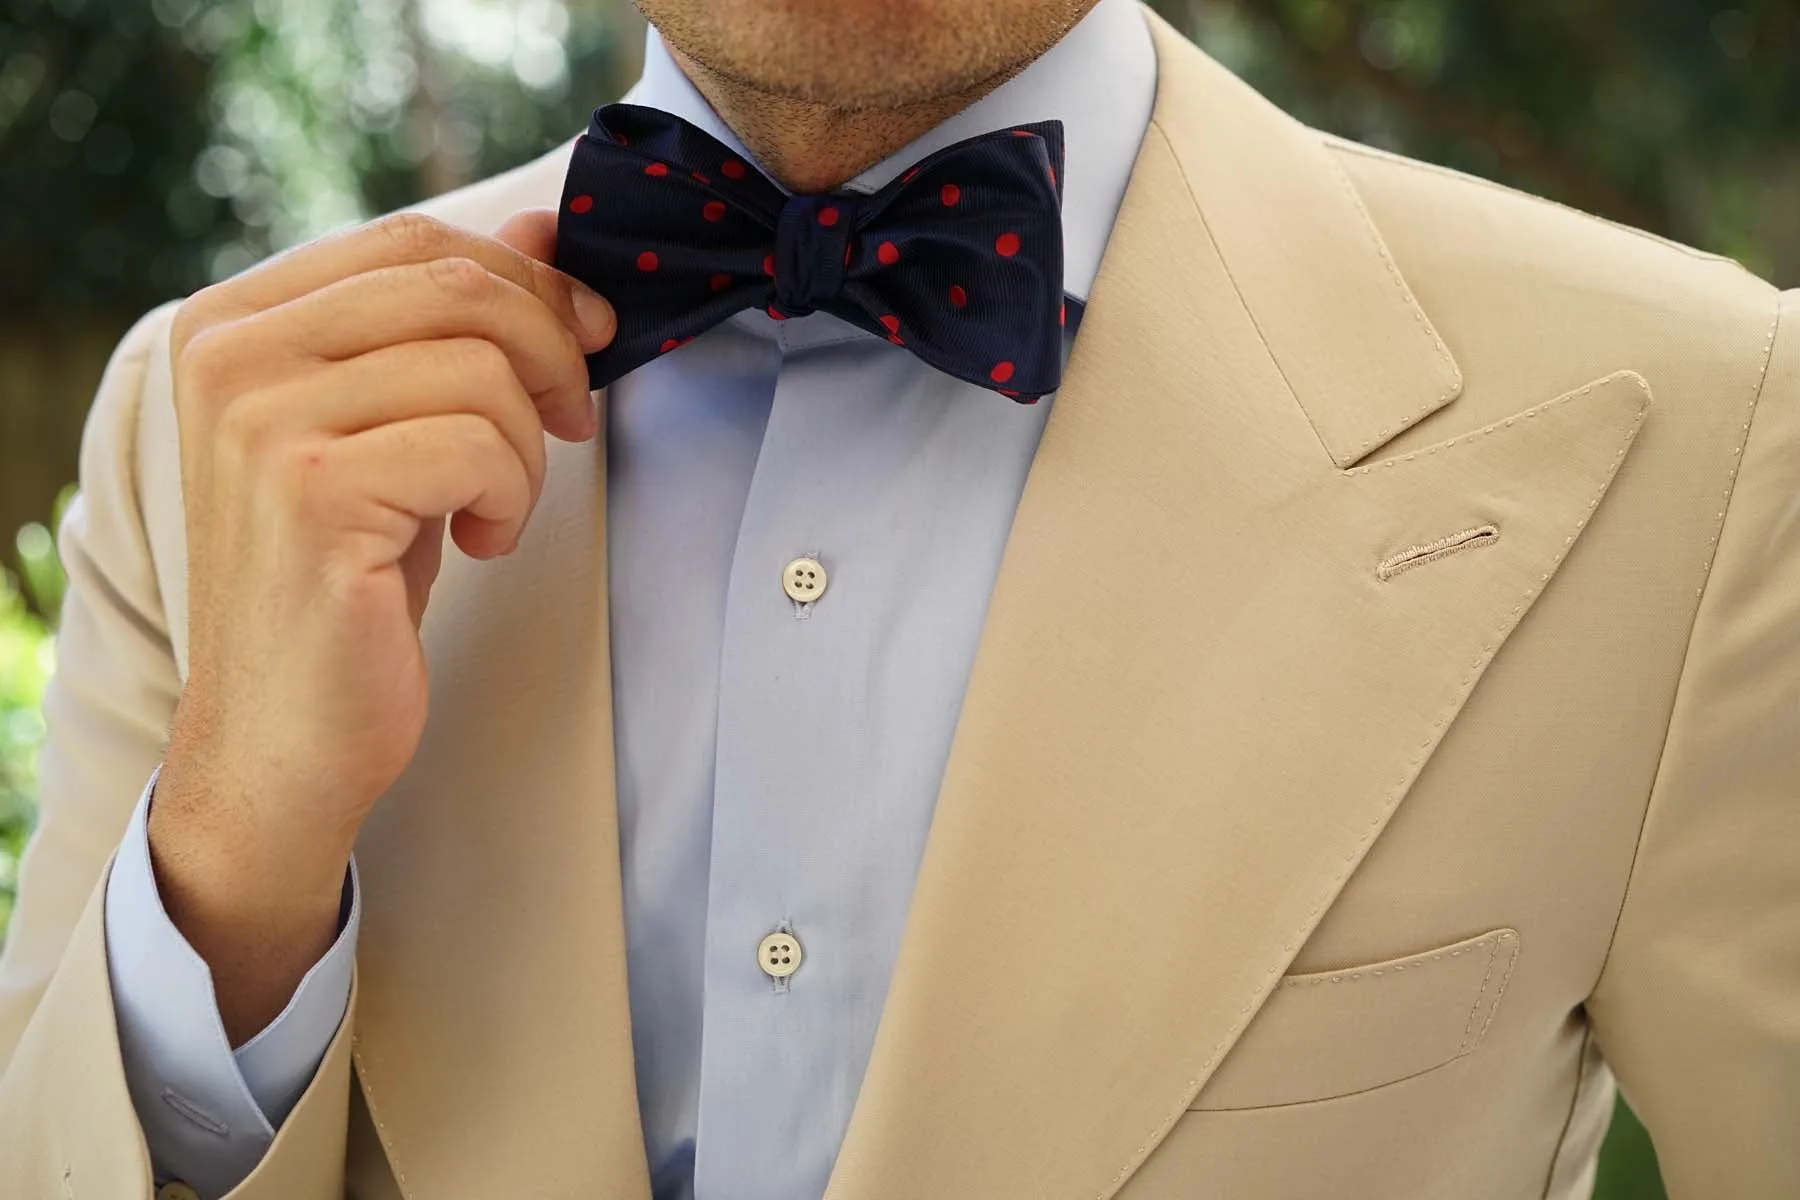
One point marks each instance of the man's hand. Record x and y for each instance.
(338, 405)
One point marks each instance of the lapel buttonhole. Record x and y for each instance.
(1418, 556)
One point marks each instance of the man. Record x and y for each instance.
(1356, 717)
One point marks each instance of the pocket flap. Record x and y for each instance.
(1333, 1033)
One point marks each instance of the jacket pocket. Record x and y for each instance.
(1334, 1033)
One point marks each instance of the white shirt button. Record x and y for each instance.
(176, 1191)
(803, 580)
(779, 955)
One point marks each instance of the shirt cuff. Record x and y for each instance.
(208, 1113)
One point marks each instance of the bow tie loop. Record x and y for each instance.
(812, 251)
(959, 259)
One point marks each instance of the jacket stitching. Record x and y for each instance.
(1410, 963)
(1712, 549)
(1428, 552)
(381, 1130)
(1494, 943)
(1347, 146)
(1412, 302)
(1506, 973)
(1468, 1043)
(1507, 422)
(1469, 1026)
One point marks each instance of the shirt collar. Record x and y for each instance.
(1099, 81)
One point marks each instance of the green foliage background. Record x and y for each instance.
(25, 664)
(148, 147)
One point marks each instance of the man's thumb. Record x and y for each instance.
(533, 234)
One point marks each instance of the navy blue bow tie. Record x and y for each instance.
(959, 259)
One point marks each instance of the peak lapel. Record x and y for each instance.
(1199, 695)
(493, 1032)
(1324, 295)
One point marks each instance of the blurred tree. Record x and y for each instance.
(1677, 116)
(26, 661)
(147, 149)
(100, 121)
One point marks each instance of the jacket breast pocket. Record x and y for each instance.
(1335, 1033)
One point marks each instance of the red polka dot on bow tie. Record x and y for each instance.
(581, 204)
(1002, 372)
(621, 139)
(719, 282)
(847, 249)
(888, 253)
(777, 313)
(1062, 314)
(891, 323)
(828, 217)
(647, 261)
(670, 344)
(1023, 133)
(701, 178)
(910, 175)
(958, 297)
(656, 170)
(1052, 171)
(1009, 393)
(714, 210)
(768, 264)
(1006, 245)
(731, 168)
(949, 194)
(896, 339)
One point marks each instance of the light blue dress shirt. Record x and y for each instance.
(777, 762)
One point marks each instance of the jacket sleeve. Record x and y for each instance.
(1697, 1009)
(67, 1124)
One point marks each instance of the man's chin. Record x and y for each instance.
(860, 54)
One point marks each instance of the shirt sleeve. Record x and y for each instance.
(208, 1113)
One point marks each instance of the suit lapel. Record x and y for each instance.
(493, 1032)
(1200, 693)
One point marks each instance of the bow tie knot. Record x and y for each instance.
(812, 251)
(959, 259)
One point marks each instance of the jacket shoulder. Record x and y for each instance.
(1439, 221)
(1384, 172)
(484, 205)
(1530, 292)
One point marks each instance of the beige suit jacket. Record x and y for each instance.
(1385, 735)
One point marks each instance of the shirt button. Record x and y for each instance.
(176, 1191)
(804, 580)
(779, 955)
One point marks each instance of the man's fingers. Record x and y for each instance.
(531, 232)
(398, 239)
(391, 479)
(397, 383)
(445, 298)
